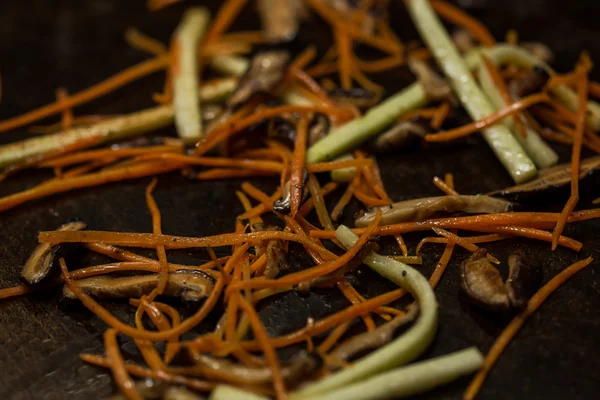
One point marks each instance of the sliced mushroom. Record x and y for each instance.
(399, 136)
(483, 284)
(421, 209)
(436, 88)
(531, 83)
(40, 261)
(279, 19)
(539, 51)
(188, 286)
(330, 279)
(266, 70)
(550, 178)
(284, 128)
(359, 97)
(215, 368)
(276, 256)
(371, 340)
(524, 279)
(283, 205)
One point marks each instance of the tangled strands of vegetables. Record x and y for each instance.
(257, 267)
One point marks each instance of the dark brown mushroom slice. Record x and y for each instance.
(399, 136)
(371, 340)
(40, 261)
(421, 209)
(280, 19)
(266, 71)
(187, 286)
(283, 204)
(483, 284)
(549, 179)
(359, 97)
(524, 279)
(224, 370)
(531, 83)
(276, 255)
(334, 277)
(436, 88)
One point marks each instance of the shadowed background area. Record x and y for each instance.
(70, 43)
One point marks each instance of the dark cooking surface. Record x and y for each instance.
(44, 44)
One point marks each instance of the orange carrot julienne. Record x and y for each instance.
(157, 229)
(228, 173)
(513, 328)
(298, 162)
(92, 155)
(117, 365)
(345, 58)
(469, 239)
(228, 11)
(342, 203)
(381, 65)
(440, 115)
(457, 16)
(444, 187)
(67, 115)
(310, 204)
(140, 41)
(259, 165)
(262, 337)
(116, 81)
(463, 243)
(441, 265)
(582, 92)
(489, 120)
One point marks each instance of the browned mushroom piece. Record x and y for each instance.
(227, 371)
(188, 286)
(420, 209)
(276, 255)
(531, 83)
(539, 51)
(359, 97)
(483, 284)
(330, 279)
(266, 71)
(279, 19)
(283, 204)
(524, 279)
(371, 340)
(463, 41)
(40, 261)
(399, 136)
(436, 88)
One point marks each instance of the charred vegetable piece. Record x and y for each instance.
(524, 279)
(399, 136)
(215, 368)
(531, 83)
(359, 97)
(421, 209)
(188, 286)
(284, 204)
(483, 284)
(371, 340)
(550, 178)
(266, 70)
(284, 128)
(436, 88)
(40, 262)
(279, 19)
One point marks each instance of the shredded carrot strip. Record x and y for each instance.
(228, 11)
(440, 115)
(343, 202)
(365, 82)
(517, 323)
(345, 58)
(79, 182)
(333, 338)
(455, 15)
(143, 42)
(260, 165)
(489, 120)
(476, 222)
(157, 229)
(503, 89)
(582, 92)
(533, 233)
(134, 369)
(298, 162)
(93, 92)
(267, 347)
(226, 173)
(93, 155)
(468, 239)
(463, 243)
(310, 273)
(381, 65)
(67, 115)
(117, 365)
(331, 165)
(310, 204)
(259, 209)
(440, 184)
(442, 264)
